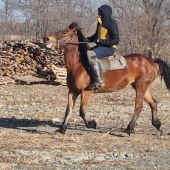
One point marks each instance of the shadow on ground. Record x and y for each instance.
(32, 126)
(29, 125)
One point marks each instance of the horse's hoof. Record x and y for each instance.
(63, 129)
(157, 124)
(129, 130)
(92, 124)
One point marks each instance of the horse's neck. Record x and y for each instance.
(72, 57)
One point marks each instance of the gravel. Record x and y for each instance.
(32, 114)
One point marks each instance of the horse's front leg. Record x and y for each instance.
(85, 96)
(71, 102)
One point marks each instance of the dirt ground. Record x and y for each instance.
(28, 137)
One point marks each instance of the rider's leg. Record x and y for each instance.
(104, 51)
(93, 57)
(96, 70)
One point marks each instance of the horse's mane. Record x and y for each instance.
(83, 47)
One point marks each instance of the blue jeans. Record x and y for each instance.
(103, 51)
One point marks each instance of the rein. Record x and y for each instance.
(72, 43)
(78, 43)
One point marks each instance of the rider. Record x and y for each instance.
(106, 38)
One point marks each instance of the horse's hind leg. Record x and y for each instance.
(141, 87)
(71, 102)
(85, 96)
(153, 105)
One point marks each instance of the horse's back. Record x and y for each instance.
(139, 65)
(138, 58)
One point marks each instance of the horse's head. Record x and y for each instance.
(62, 38)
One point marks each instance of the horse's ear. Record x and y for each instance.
(74, 25)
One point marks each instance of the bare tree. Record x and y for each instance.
(44, 16)
(143, 24)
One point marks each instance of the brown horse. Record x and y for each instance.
(140, 73)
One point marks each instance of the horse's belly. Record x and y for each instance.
(114, 83)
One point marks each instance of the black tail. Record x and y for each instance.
(164, 69)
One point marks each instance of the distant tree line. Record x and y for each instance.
(143, 24)
(40, 17)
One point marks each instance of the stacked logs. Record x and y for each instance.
(28, 58)
(16, 64)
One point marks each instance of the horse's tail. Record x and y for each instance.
(164, 70)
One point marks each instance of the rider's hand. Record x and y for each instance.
(102, 43)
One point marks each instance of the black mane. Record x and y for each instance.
(83, 47)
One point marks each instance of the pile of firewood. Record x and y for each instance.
(28, 58)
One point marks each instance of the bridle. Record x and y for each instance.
(72, 36)
(70, 41)
(64, 39)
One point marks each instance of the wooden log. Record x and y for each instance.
(60, 73)
(25, 60)
(6, 80)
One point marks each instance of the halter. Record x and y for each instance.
(70, 41)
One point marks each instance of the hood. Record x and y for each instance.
(105, 11)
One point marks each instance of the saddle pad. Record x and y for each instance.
(114, 62)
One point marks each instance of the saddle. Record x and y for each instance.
(114, 62)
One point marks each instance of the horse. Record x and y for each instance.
(140, 73)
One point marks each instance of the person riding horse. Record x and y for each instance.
(140, 74)
(106, 38)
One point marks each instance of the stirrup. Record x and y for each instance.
(95, 85)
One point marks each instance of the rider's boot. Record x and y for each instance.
(97, 77)
(96, 70)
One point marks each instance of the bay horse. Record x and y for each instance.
(140, 73)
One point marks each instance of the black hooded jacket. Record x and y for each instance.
(110, 24)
